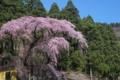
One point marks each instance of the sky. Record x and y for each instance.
(104, 11)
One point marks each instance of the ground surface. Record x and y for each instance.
(75, 76)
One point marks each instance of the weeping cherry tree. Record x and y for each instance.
(44, 36)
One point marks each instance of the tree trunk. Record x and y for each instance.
(12, 44)
(21, 70)
(81, 50)
(106, 78)
(90, 73)
(52, 74)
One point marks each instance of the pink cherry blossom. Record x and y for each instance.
(24, 27)
(40, 34)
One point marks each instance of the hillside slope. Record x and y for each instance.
(117, 32)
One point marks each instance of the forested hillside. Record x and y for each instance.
(100, 59)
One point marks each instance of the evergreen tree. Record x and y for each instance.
(47, 44)
(35, 8)
(103, 46)
(70, 13)
(10, 10)
(54, 11)
(71, 8)
(90, 19)
(103, 56)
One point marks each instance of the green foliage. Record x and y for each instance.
(77, 62)
(10, 10)
(70, 13)
(54, 11)
(7, 53)
(71, 8)
(90, 19)
(64, 61)
(103, 46)
(35, 8)
(103, 54)
(115, 24)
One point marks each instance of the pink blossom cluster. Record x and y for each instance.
(25, 26)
